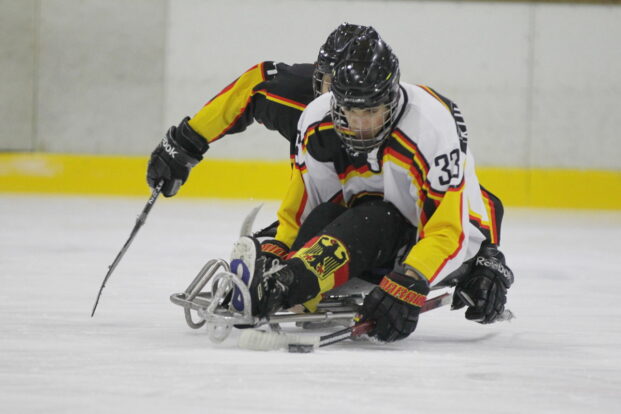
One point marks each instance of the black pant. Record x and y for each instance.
(373, 231)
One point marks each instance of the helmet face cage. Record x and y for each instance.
(367, 78)
(333, 49)
(318, 81)
(363, 138)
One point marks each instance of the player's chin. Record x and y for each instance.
(364, 135)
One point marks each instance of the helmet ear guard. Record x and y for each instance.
(367, 77)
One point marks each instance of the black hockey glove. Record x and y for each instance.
(394, 305)
(486, 286)
(180, 150)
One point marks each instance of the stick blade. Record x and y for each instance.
(270, 341)
(301, 348)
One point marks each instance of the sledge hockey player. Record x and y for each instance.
(273, 94)
(383, 178)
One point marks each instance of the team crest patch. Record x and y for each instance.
(324, 256)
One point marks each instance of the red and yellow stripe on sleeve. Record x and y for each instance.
(484, 226)
(281, 100)
(491, 213)
(292, 207)
(222, 112)
(442, 236)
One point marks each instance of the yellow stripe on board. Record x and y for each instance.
(123, 175)
(539, 187)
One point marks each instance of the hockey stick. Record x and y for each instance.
(139, 222)
(506, 314)
(265, 341)
(365, 327)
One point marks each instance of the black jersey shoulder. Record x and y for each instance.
(324, 145)
(298, 72)
(321, 140)
(279, 101)
(292, 83)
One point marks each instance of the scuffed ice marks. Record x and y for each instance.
(560, 354)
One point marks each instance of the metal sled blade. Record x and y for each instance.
(210, 296)
(212, 302)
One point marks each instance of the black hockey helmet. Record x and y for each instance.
(367, 77)
(333, 49)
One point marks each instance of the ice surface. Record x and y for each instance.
(561, 354)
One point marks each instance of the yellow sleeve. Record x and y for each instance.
(292, 207)
(225, 111)
(442, 236)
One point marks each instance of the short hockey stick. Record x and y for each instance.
(265, 341)
(506, 315)
(139, 222)
(365, 327)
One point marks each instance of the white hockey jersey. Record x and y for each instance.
(424, 168)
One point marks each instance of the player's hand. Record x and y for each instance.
(394, 305)
(486, 287)
(173, 158)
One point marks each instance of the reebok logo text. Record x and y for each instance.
(169, 148)
(497, 266)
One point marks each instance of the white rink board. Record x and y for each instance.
(138, 355)
(537, 82)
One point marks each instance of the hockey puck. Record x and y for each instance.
(301, 348)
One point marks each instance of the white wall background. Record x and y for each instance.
(18, 35)
(539, 84)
